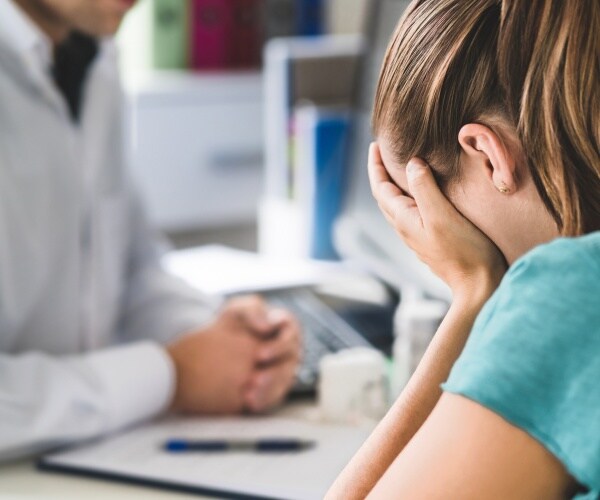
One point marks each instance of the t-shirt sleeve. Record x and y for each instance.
(534, 354)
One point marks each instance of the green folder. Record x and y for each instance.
(170, 34)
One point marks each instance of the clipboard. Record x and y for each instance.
(136, 457)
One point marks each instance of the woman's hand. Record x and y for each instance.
(470, 264)
(454, 249)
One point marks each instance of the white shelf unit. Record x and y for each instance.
(195, 145)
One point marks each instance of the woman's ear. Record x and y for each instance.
(485, 148)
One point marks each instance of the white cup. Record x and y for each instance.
(353, 386)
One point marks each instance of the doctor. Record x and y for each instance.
(94, 336)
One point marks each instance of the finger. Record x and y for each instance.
(279, 318)
(398, 208)
(270, 386)
(396, 177)
(387, 216)
(401, 211)
(430, 200)
(378, 175)
(396, 205)
(285, 345)
(252, 311)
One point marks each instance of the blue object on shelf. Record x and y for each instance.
(310, 17)
(331, 135)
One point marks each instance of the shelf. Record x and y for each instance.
(213, 85)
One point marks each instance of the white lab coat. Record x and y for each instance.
(79, 267)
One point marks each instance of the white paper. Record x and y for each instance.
(295, 475)
(219, 270)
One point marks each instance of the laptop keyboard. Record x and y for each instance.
(324, 332)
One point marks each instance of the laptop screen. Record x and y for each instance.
(362, 234)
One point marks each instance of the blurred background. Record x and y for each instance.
(237, 117)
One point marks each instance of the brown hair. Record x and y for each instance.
(532, 64)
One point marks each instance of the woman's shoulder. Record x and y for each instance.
(545, 310)
(563, 275)
(573, 255)
(532, 356)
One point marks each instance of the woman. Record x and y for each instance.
(500, 102)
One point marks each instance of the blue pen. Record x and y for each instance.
(220, 445)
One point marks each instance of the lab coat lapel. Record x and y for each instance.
(102, 164)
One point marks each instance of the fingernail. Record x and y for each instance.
(276, 316)
(412, 168)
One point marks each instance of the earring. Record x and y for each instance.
(503, 188)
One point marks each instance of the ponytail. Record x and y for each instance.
(549, 66)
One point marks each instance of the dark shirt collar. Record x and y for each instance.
(72, 61)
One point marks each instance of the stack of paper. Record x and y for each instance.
(218, 270)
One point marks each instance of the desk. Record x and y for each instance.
(22, 480)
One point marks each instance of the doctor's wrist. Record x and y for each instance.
(175, 352)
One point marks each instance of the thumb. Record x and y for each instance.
(278, 317)
(269, 322)
(252, 312)
(422, 186)
(258, 321)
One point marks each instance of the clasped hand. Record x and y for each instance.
(453, 248)
(245, 360)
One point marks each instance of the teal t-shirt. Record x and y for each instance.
(533, 356)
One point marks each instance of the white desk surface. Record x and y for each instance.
(21, 480)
